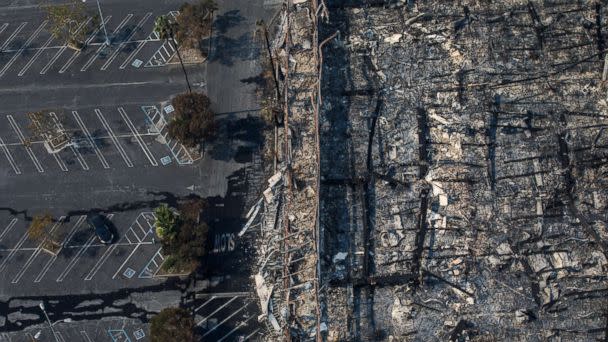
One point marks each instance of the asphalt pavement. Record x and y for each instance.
(111, 99)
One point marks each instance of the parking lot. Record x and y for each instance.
(103, 138)
(113, 103)
(82, 262)
(27, 47)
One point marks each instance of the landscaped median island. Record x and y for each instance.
(183, 236)
(43, 231)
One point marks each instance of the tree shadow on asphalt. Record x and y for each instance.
(227, 20)
(227, 50)
(247, 131)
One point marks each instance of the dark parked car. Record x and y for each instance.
(98, 224)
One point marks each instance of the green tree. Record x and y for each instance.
(193, 120)
(172, 324)
(166, 222)
(67, 21)
(165, 30)
(194, 22)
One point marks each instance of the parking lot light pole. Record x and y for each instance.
(41, 305)
(103, 24)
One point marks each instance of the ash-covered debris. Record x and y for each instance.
(463, 171)
(286, 274)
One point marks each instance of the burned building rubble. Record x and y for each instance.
(441, 172)
(463, 160)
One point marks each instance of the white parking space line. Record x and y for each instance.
(113, 137)
(205, 303)
(253, 333)
(79, 254)
(85, 336)
(102, 47)
(3, 27)
(10, 39)
(22, 140)
(137, 136)
(226, 319)
(58, 159)
(36, 55)
(52, 61)
(77, 257)
(119, 48)
(126, 260)
(216, 311)
(8, 228)
(46, 44)
(23, 47)
(77, 53)
(240, 325)
(48, 265)
(59, 336)
(100, 262)
(90, 139)
(8, 155)
(140, 46)
(77, 154)
(32, 257)
(12, 253)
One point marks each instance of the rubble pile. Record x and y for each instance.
(286, 279)
(463, 171)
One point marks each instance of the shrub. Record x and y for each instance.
(172, 324)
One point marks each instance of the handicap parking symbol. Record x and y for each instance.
(129, 273)
(165, 160)
(139, 334)
(137, 63)
(169, 109)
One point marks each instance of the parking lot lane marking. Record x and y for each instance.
(137, 136)
(103, 46)
(126, 260)
(59, 336)
(37, 251)
(52, 61)
(113, 137)
(77, 154)
(13, 252)
(46, 44)
(100, 262)
(240, 325)
(127, 40)
(8, 155)
(3, 27)
(85, 336)
(63, 244)
(23, 47)
(140, 46)
(28, 149)
(226, 319)
(8, 228)
(146, 272)
(90, 139)
(76, 258)
(216, 311)
(77, 53)
(250, 335)
(10, 39)
(205, 303)
(36, 55)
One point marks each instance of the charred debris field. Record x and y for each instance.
(441, 170)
